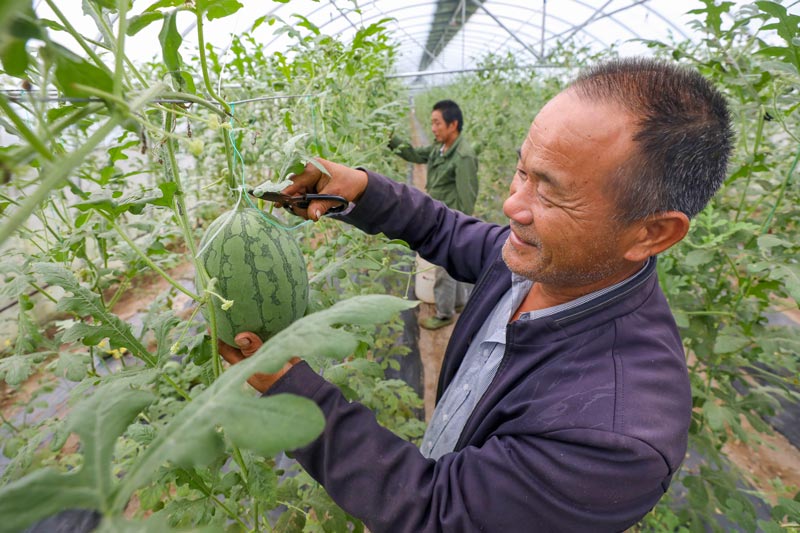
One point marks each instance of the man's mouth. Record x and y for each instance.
(517, 241)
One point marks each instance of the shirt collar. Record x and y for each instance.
(520, 283)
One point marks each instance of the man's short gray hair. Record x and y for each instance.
(684, 135)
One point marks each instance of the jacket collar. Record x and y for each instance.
(450, 151)
(497, 280)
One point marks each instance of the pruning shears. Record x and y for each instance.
(301, 200)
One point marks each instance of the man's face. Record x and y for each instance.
(442, 131)
(560, 208)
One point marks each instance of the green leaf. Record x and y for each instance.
(191, 437)
(98, 421)
(216, 9)
(681, 318)
(789, 274)
(19, 26)
(786, 27)
(15, 369)
(72, 366)
(14, 56)
(29, 331)
(278, 428)
(262, 482)
(84, 302)
(292, 520)
(105, 4)
(729, 343)
(770, 527)
(139, 22)
(133, 202)
(72, 70)
(713, 13)
(164, 3)
(766, 242)
(700, 257)
(717, 415)
(306, 23)
(170, 39)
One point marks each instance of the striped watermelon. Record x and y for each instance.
(260, 267)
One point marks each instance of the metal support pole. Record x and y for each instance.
(544, 22)
(499, 23)
(463, 30)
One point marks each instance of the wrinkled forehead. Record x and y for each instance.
(573, 135)
(572, 117)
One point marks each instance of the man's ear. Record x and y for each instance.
(657, 233)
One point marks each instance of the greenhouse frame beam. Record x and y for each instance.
(343, 14)
(384, 14)
(544, 24)
(440, 34)
(586, 22)
(423, 73)
(403, 30)
(666, 20)
(441, 44)
(499, 23)
(605, 15)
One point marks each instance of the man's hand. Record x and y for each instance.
(248, 343)
(341, 181)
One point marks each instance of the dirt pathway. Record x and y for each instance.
(432, 344)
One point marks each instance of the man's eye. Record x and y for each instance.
(543, 199)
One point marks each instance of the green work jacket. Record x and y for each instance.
(452, 176)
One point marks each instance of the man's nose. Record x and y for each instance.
(517, 208)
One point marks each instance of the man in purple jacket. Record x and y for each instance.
(564, 399)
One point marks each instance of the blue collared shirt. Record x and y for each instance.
(482, 360)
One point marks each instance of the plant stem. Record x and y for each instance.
(756, 146)
(201, 48)
(8, 423)
(143, 256)
(710, 313)
(109, 97)
(58, 171)
(23, 129)
(206, 490)
(122, 26)
(781, 194)
(767, 222)
(43, 292)
(23, 155)
(224, 113)
(123, 286)
(183, 221)
(229, 158)
(74, 33)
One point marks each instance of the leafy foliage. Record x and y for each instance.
(104, 196)
(99, 224)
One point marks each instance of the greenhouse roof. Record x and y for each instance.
(437, 38)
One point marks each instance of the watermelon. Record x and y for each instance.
(259, 266)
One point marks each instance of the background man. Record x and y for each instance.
(564, 399)
(452, 178)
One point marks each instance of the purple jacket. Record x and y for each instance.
(582, 428)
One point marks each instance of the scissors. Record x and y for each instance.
(301, 200)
